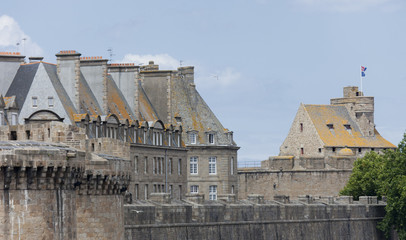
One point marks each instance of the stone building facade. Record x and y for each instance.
(212, 152)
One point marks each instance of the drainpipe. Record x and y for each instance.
(166, 172)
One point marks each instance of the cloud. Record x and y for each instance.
(11, 38)
(165, 61)
(348, 5)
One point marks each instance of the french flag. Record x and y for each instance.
(363, 69)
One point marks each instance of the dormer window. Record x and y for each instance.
(34, 102)
(330, 126)
(348, 128)
(211, 138)
(193, 137)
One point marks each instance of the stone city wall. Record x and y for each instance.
(294, 183)
(328, 218)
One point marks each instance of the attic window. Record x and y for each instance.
(192, 138)
(50, 101)
(348, 128)
(330, 126)
(178, 119)
(34, 102)
(301, 127)
(211, 138)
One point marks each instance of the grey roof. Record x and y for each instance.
(88, 99)
(22, 82)
(62, 94)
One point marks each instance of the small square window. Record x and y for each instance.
(34, 102)
(50, 101)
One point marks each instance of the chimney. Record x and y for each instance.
(35, 59)
(68, 69)
(94, 69)
(126, 76)
(9, 64)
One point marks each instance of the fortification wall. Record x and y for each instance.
(252, 221)
(270, 183)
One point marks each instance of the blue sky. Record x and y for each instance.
(255, 61)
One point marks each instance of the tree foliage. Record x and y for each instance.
(383, 175)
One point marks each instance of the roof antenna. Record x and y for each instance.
(110, 50)
(180, 63)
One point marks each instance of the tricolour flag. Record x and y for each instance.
(363, 69)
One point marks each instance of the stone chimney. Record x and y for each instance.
(68, 69)
(94, 69)
(35, 59)
(126, 77)
(360, 107)
(9, 64)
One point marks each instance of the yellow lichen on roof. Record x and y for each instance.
(7, 100)
(79, 117)
(148, 113)
(117, 105)
(338, 115)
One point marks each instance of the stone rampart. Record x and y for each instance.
(269, 183)
(309, 218)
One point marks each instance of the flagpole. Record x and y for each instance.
(361, 82)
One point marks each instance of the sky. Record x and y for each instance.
(255, 61)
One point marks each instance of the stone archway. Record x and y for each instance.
(43, 116)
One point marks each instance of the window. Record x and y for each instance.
(301, 127)
(334, 149)
(301, 151)
(211, 138)
(146, 191)
(319, 150)
(136, 191)
(194, 189)
(359, 150)
(34, 102)
(170, 139)
(28, 134)
(50, 101)
(348, 128)
(330, 126)
(212, 165)
(170, 166)
(154, 166)
(1, 118)
(180, 167)
(193, 165)
(146, 165)
(192, 138)
(14, 119)
(232, 166)
(213, 192)
(232, 189)
(136, 164)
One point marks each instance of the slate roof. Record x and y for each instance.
(88, 102)
(147, 110)
(22, 82)
(116, 102)
(62, 94)
(338, 116)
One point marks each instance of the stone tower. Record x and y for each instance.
(360, 107)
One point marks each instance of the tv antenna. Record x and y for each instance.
(24, 45)
(111, 54)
